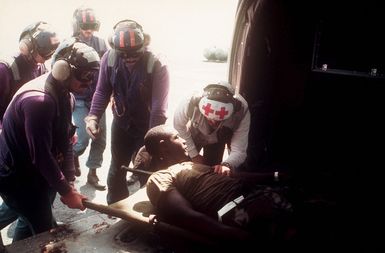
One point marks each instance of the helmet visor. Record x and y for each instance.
(47, 55)
(131, 55)
(89, 26)
(86, 76)
(46, 45)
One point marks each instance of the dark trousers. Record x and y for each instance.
(213, 153)
(124, 142)
(31, 198)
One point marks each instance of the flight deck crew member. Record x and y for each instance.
(211, 120)
(37, 43)
(139, 84)
(36, 153)
(85, 24)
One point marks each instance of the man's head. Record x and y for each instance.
(85, 23)
(77, 62)
(38, 41)
(128, 40)
(163, 143)
(217, 102)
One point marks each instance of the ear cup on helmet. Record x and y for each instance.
(75, 28)
(25, 39)
(147, 39)
(110, 42)
(61, 70)
(25, 46)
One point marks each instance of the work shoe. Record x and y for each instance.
(93, 180)
(77, 166)
(132, 179)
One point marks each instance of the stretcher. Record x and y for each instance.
(138, 209)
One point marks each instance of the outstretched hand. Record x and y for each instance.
(92, 126)
(73, 199)
(222, 170)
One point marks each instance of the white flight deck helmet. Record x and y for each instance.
(218, 102)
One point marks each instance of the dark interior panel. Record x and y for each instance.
(326, 125)
(348, 38)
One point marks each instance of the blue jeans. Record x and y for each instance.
(7, 216)
(95, 157)
(124, 142)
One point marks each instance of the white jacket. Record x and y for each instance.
(197, 132)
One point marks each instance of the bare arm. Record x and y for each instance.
(180, 124)
(239, 140)
(261, 178)
(175, 209)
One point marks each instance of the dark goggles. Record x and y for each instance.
(46, 49)
(131, 55)
(89, 26)
(86, 76)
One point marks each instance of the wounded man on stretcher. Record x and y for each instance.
(191, 201)
(226, 209)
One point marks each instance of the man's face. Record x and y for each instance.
(79, 86)
(41, 58)
(82, 80)
(86, 34)
(38, 58)
(177, 147)
(44, 47)
(131, 59)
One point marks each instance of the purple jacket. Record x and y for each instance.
(28, 143)
(27, 70)
(160, 90)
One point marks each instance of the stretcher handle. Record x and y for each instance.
(159, 226)
(145, 172)
(114, 212)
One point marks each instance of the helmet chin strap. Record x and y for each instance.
(30, 58)
(214, 124)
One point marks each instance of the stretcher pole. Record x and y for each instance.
(145, 172)
(159, 226)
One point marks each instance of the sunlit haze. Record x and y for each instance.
(180, 31)
(177, 27)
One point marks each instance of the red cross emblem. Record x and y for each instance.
(207, 109)
(222, 113)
